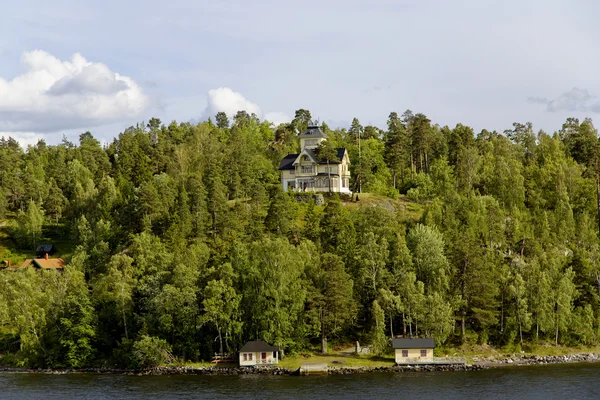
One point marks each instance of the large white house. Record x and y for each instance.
(306, 172)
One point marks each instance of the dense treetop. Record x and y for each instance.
(185, 245)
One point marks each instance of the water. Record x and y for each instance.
(574, 381)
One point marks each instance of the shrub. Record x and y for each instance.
(150, 352)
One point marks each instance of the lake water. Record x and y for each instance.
(574, 381)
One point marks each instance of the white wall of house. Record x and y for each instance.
(255, 358)
(412, 355)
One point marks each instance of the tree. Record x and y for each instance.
(29, 228)
(116, 286)
(221, 307)
(330, 299)
(397, 148)
(378, 339)
(427, 248)
(222, 120)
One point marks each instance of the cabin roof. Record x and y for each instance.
(46, 248)
(51, 263)
(255, 346)
(413, 343)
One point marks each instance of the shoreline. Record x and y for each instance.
(478, 364)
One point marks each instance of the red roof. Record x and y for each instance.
(50, 263)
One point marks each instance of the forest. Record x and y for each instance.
(180, 242)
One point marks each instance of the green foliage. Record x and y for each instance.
(185, 245)
(150, 352)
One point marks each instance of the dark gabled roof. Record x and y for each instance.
(46, 248)
(422, 343)
(288, 162)
(255, 346)
(313, 131)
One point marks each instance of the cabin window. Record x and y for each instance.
(245, 357)
(249, 356)
(404, 353)
(423, 353)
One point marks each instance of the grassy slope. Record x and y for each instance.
(55, 234)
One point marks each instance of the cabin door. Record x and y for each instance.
(264, 358)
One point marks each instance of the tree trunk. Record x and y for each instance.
(598, 196)
(462, 327)
(391, 326)
(502, 313)
(220, 340)
(323, 337)
(556, 335)
(403, 324)
(464, 294)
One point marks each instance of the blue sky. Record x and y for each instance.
(483, 63)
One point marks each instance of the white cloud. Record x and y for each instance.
(277, 118)
(53, 95)
(24, 138)
(575, 100)
(226, 100)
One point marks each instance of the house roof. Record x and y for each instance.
(422, 343)
(313, 131)
(288, 162)
(46, 248)
(255, 346)
(51, 263)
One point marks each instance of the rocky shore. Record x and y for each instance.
(242, 370)
(524, 359)
(478, 363)
(405, 368)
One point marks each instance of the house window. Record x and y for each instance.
(307, 169)
(311, 142)
(404, 353)
(249, 356)
(292, 171)
(245, 357)
(423, 353)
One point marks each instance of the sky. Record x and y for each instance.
(68, 67)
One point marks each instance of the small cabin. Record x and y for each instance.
(45, 263)
(258, 352)
(417, 350)
(44, 249)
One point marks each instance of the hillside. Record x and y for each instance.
(180, 242)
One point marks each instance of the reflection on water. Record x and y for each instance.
(577, 381)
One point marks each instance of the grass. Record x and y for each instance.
(473, 352)
(337, 360)
(55, 234)
(294, 362)
(408, 209)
